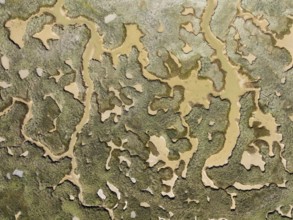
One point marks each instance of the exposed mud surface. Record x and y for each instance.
(146, 109)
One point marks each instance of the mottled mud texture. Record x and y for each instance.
(179, 109)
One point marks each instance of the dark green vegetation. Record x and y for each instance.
(41, 194)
